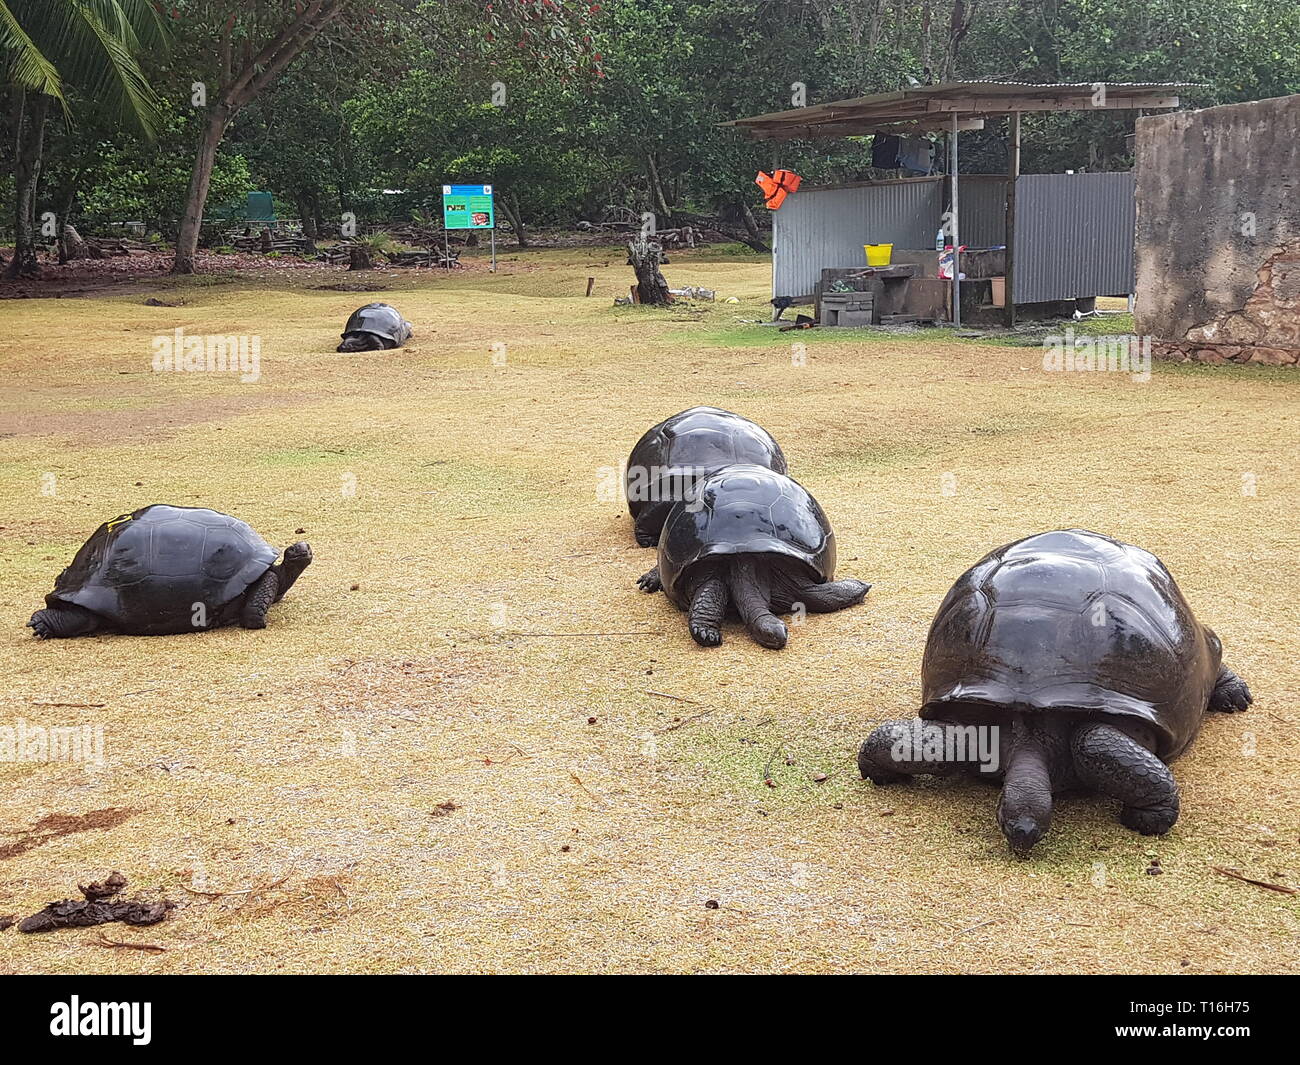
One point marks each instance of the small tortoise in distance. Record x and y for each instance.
(375, 327)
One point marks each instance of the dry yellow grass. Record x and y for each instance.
(309, 762)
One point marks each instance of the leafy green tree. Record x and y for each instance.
(51, 47)
(256, 43)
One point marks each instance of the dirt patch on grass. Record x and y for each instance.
(96, 429)
(56, 826)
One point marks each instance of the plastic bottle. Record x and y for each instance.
(938, 241)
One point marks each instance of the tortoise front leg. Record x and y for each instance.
(258, 599)
(649, 581)
(1115, 764)
(1230, 693)
(908, 747)
(64, 621)
(708, 608)
(649, 523)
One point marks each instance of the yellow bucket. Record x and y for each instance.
(878, 254)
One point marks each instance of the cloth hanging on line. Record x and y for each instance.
(884, 151)
(916, 156)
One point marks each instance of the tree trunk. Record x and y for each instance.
(755, 240)
(29, 142)
(307, 214)
(510, 208)
(657, 201)
(644, 256)
(187, 240)
(959, 25)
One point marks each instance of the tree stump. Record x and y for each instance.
(645, 257)
(71, 246)
(359, 257)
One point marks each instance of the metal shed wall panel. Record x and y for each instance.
(983, 203)
(818, 229)
(1074, 236)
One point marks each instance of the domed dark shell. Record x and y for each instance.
(745, 509)
(671, 457)
(146, 571)
(1076, 622)
(381, 319)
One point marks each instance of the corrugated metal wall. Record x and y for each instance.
(818, 229)
(983, 211)
(1074, 232)
(1074, 236)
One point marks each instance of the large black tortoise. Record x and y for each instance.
(751, 542)
(375, 327)
(673, 456)
(162, 570)
(1083, 665)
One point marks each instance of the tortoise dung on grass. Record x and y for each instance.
(753, 542)
(374, 327)
(1078, 659)
(674, 455)
(164, 569)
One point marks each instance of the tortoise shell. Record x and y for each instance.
(381, 319)
(146, 571)
(670, 459)
(1075, 622)
(744, 509)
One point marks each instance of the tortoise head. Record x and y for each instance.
(1025, 806)
(360, 342)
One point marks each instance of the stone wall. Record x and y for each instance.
(1218, 233)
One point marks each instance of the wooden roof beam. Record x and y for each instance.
(856, 127)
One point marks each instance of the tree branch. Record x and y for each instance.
(236, 91)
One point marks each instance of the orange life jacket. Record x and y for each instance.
(776, 187)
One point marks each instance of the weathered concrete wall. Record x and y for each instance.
(1218, 232)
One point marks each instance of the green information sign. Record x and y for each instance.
(468, 207)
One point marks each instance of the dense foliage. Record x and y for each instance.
(565, 107)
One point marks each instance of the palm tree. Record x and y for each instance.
(50, 46)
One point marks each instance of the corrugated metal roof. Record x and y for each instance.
(1085, 85)
(923, 107)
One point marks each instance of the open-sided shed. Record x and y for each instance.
(1063, 234)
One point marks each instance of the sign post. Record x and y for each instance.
(470, 207)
